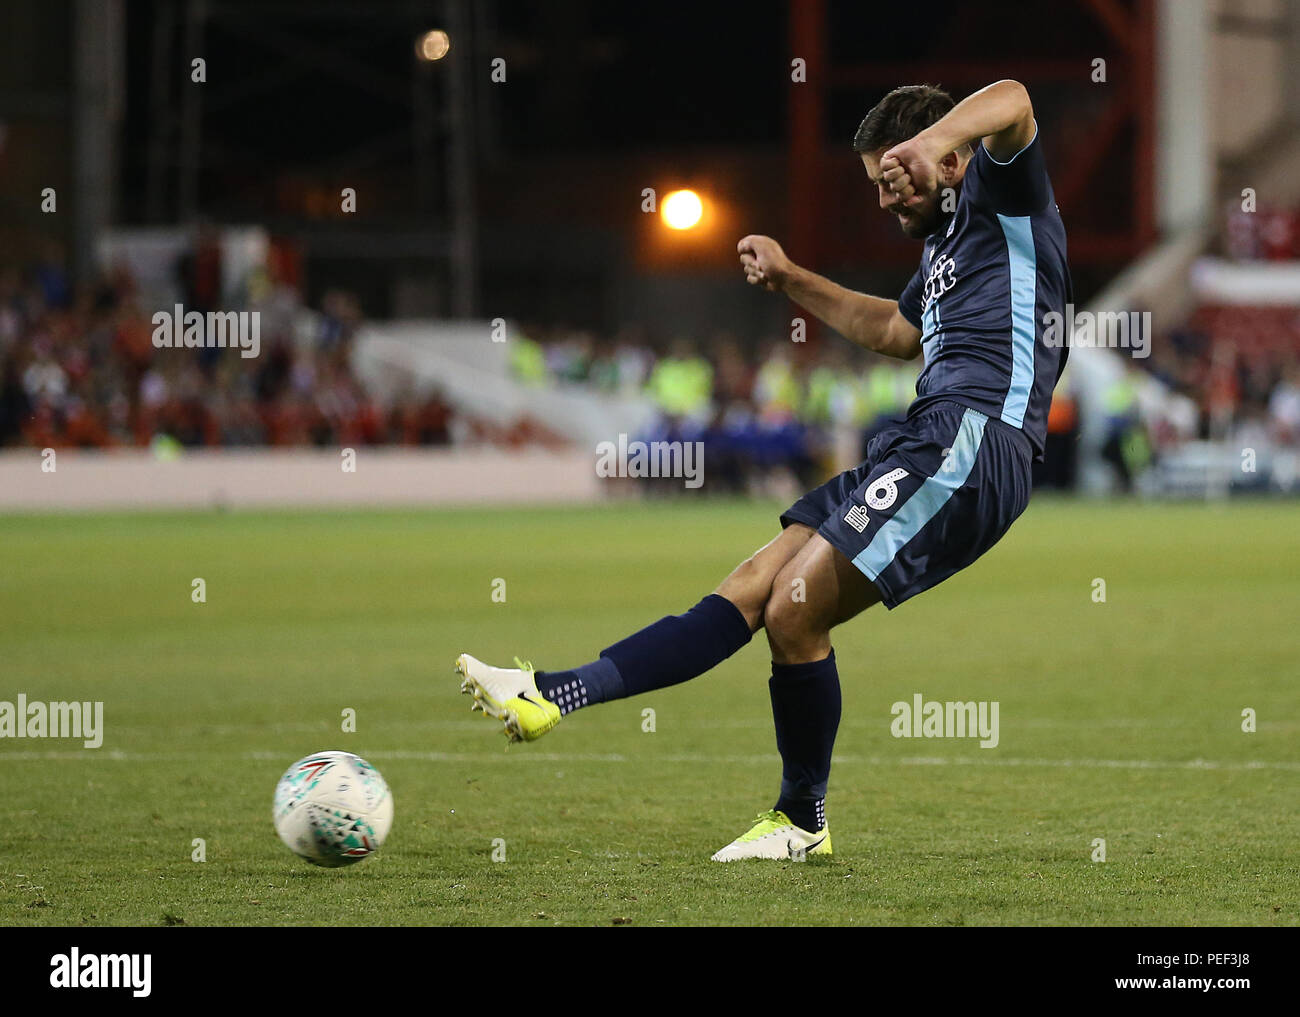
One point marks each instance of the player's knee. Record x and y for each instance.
(747, 587)
(786, 617)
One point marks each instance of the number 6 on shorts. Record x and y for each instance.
(883, 491)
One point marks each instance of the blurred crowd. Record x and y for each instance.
(1236, 367)
(1235, 383)
(79, 368)
(1241, 364)
(765, 414)
(779, 411)
(1228, 374)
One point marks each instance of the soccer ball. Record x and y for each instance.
(333, 809)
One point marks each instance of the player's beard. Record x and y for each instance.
(920, 223)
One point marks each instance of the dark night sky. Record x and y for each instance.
(584, 76)
(604, 85)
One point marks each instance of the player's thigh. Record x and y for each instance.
(819, 588)
(750, 582)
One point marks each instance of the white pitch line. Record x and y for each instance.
(690, 759)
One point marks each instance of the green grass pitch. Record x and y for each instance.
(1119, 720)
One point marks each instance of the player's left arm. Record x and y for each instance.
(999, 116)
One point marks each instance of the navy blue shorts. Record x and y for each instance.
(934, 493)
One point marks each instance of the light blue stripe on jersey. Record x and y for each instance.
(929, 327)
(929, 498)
(1024, 287)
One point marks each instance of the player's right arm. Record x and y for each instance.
(873, 322)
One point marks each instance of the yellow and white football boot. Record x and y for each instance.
(510, 695)
(773, 835)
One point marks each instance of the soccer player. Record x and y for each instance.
(933, 494)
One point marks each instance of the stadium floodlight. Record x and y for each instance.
(433, 45)
(682, 210)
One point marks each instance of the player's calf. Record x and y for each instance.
(825, 589)
(671, 650)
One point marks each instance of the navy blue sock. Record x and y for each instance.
(806, 708)
(670, 651)
(597, 682)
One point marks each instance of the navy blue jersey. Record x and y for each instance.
(989, 274)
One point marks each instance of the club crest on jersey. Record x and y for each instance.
(942, 278)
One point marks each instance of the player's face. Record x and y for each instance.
(917, 221)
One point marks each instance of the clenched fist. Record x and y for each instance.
(911, 170)
(764, 262)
